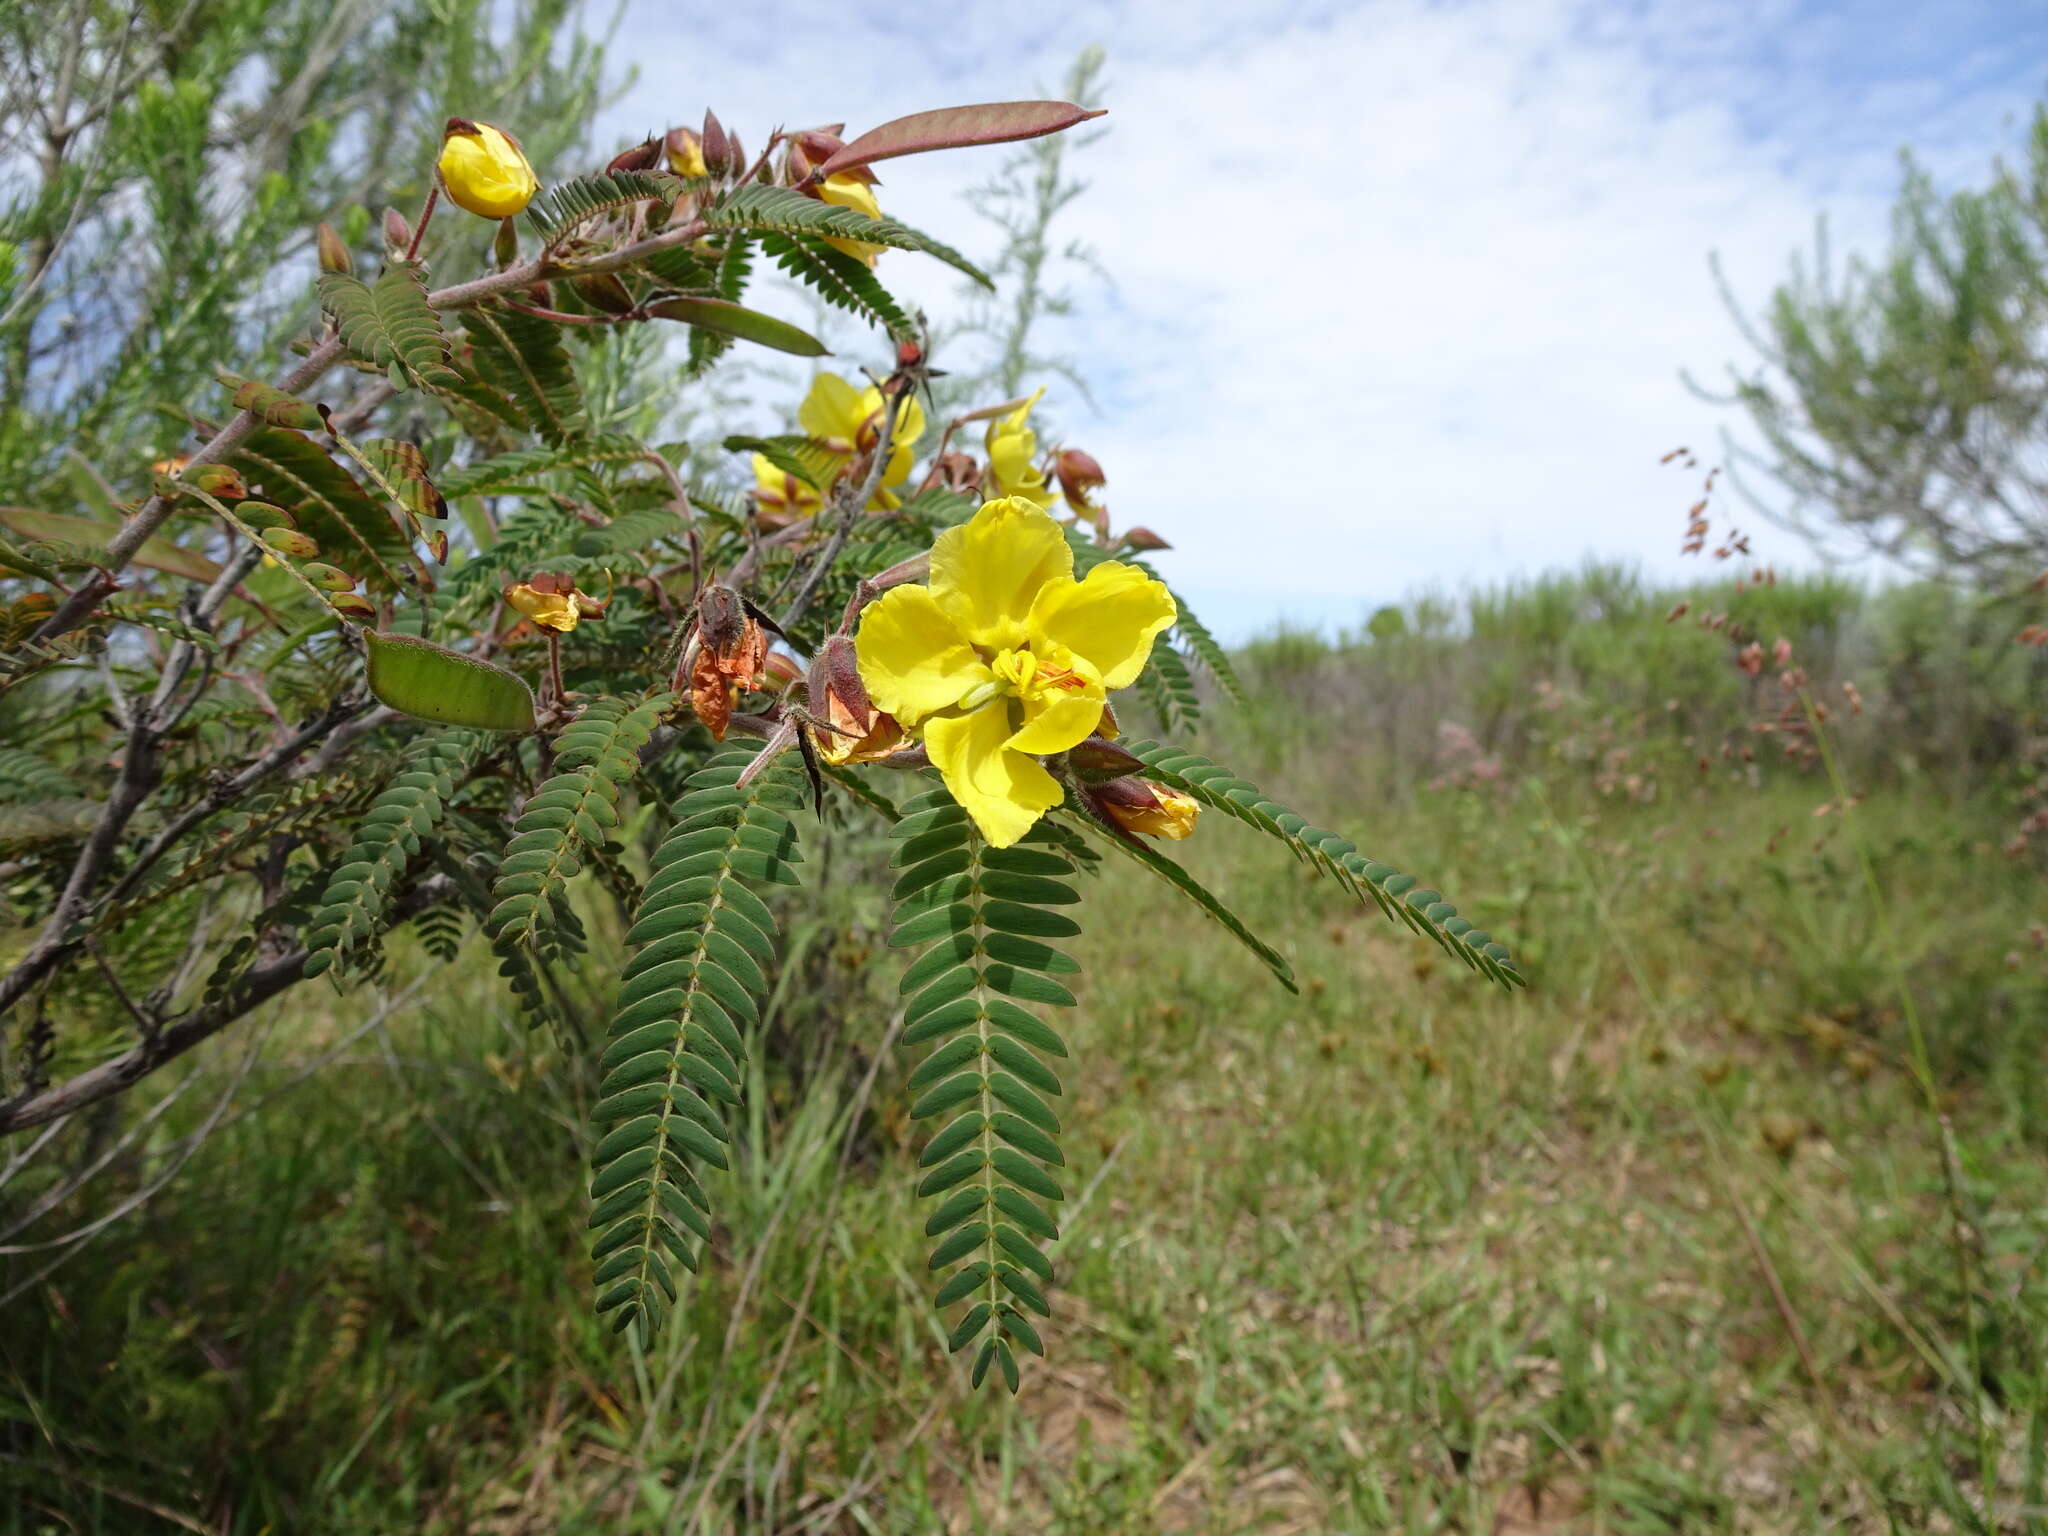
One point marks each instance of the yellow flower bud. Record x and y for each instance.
(483, 170)
(686, 153)
(1138, 805)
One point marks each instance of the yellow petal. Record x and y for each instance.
(910, 422)
(912, 657)
(898, 470)
(1004, 791)
(987, 572)
(847, 192)
(1109, 620)
(851, 192)
(831, 410)
(1056, 719)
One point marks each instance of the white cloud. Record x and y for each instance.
(1411, 282)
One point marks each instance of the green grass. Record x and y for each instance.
(1401, 1253)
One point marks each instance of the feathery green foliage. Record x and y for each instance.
(572, 812)
(357, 896)
(676, 1050)
(1369, 879)
(983, 917)
(561, 208)
(788, 212)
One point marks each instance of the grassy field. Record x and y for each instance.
(1714, 1227)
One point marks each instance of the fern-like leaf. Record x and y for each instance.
(508, 471)
(807, 458)
(25, 775)
(391, 324)
(788, 212)
(411, 324)
(288, 468)
(523, 357)
(1170, 870)
(982, 917)
(704, 939)
(571, 813)
(567, 204)
(358, 894)
(1369, 879)
(1169, 688)
(1208, 651)
(837, 278)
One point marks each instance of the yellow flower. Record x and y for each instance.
(548, 610)
(1138, 805)
(849, 421)
(1004, 657)
(1012, 446)
(782, 498)
(851, 192)
(484, 171)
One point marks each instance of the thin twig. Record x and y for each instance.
(851, 501)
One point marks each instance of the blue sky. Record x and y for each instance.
(1460, 363)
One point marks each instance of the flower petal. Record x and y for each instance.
(1055, 720)
(910, 422)
(987, 572)
(1004, 791)
(831, 410)
(912, 657)
(1109, 619)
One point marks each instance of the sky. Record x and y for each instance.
(1398, 295)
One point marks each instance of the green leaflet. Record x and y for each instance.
(1370, 880)
(786, 211)
(358, 893)
(978, 915)
(523, 357)
(596, 755)
(726, 318)
(837, 278)
(675, 1046)
(1173, 874)
(504, 471)
(560, 208)
(391, 324)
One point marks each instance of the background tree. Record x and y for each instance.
(1904, 402)
(160, 161)
(1024, 199)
